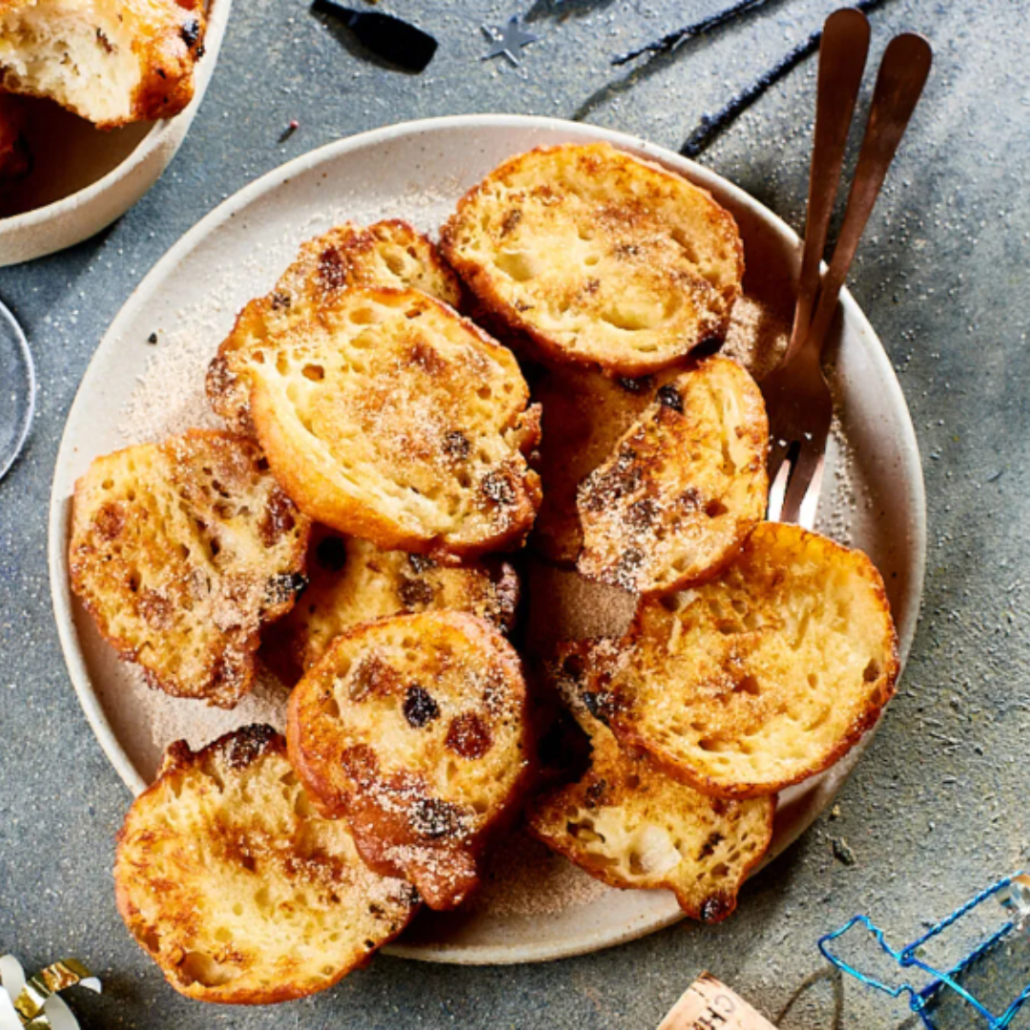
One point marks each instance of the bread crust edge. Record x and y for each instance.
(880, 696)
(481, 287)
(179, 756)
(727, 901)
(335, 805)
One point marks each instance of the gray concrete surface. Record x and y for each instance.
(938, 806)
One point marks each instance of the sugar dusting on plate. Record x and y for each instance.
(525, 878)
(175, 718)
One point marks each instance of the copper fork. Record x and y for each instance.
(797, 396)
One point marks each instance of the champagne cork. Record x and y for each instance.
(710, 1005)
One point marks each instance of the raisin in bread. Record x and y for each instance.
(415, 730)
(584, 414)
(684, 486)
(351, 581)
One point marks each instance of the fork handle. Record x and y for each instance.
(902, 75)
(842, 57)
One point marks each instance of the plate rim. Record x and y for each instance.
(59, 506)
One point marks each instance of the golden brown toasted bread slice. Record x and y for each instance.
(389, 417)
(352, 581)
(109, 61)
(389, 253)
(684, 486)
(599, 257)
(760, 677)
(181, 551)
(414, 728)
(584, 414)
(237, 889)
(629, 824)
(15, 156)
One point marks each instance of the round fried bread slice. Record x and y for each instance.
(181, 551)
(237, 889)
(351, 581)
(684, 486)
(630, 825)
(389, 417)
(415, 729)
(389, 253)
(599, 257)
(760, 677)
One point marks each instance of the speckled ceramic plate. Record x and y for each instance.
(418, 170)
(85, 178)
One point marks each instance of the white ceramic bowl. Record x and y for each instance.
(419, 170)
(85, 178)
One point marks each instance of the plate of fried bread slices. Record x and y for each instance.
(95, 98)
(409, 557)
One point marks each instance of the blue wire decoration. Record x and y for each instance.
(1015, 891)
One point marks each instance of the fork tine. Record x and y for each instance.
(801, 500)
(779, 466)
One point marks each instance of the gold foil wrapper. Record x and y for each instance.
(30, 1003)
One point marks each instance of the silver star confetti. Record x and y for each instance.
(510, 41)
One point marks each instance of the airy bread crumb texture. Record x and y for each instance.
(631, 825)
(351, 581)
(598, 257)
(523, 877)
(415, 730)
(110, 62)
(760, 677)
(238, 890)
(389, 417)
(181, 551)
(683, 487)
(389, 253)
